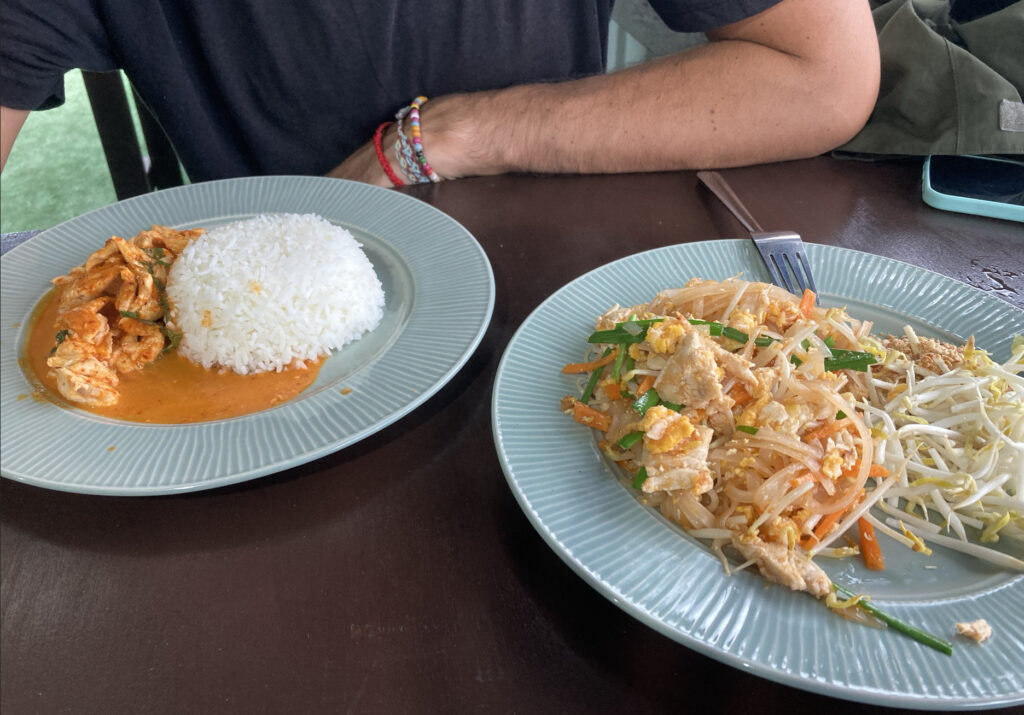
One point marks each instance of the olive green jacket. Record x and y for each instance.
(947, 87)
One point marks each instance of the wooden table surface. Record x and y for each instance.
(400, 575)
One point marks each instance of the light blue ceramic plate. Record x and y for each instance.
(655, 572)
(437, 282)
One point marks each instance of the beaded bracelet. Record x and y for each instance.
(410, 150)
(407, 161)
(417, 138)
(392, 176)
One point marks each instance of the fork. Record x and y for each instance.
(781, 251)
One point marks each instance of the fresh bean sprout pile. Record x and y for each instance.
(955, 442)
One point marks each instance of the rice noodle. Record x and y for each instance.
(790, 446)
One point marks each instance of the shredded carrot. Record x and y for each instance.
(611, 388)
(587, 415)
(875, 470)
(826, 430)
(825, 525)
(869, 548)
(575, 367)
(807, 303)
(802, 479)
(646, 384)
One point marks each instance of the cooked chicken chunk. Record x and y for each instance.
(82, 378)
(108, 312)
(977, 630)
(783, 565)
(81, 286)
(139, 345)
(693, 374)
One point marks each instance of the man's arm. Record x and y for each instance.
(794, 81)
(10, 124)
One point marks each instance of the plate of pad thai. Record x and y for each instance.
(795, 484)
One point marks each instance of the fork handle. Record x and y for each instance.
(716, 182)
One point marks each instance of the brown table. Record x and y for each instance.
(399, 575)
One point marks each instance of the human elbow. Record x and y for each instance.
(852, 101)
(847, 91)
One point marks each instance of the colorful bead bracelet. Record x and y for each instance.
(412, 112)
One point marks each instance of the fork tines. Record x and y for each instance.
(783, 254)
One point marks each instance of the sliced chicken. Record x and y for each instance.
(783, 565)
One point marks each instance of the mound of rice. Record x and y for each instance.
(256, 295)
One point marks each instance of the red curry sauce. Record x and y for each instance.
(172, 389)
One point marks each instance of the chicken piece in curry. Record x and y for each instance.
(112, 314)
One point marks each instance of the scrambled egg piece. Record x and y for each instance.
(832, 465)
(664, 336)
(664, 429)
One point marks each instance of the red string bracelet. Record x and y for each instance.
(392, 176)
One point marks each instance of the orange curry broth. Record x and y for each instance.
(173, 389)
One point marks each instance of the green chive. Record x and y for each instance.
(850, 361)
(840, 415)
(734, 334)
(641, 477)
(617, 367)
(749, 429)
(619, 334)
(630, 439)
(592, 382)
(840, 353)
(673, 405)
(646, 322)
(714, 329)
(916, 633)
(646, 401)
(616, 335)
(129, 314)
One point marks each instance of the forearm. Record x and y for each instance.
(731, 102)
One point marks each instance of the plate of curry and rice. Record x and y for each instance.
(214, 333)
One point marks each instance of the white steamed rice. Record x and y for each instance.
(255, 295)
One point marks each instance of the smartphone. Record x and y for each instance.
(984, 185)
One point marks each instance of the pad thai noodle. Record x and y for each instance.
(759, 422)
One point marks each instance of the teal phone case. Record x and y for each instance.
(963, 204)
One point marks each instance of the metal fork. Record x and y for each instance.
(781, 251)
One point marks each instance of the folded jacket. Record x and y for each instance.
(947, 87)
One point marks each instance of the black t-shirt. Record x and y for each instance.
(249, 87)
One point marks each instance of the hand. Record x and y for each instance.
(444, 132)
